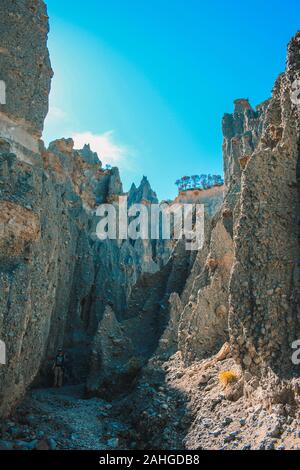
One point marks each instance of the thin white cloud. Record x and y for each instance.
(108, 150)
(56, 114)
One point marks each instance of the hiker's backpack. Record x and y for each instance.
(60, 359)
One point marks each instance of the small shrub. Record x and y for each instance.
(228, 377)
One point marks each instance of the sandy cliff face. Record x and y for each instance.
(211, 198)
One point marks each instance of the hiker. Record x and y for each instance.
(59, 368)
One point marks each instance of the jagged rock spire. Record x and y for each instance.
(143, 193)
(89, 156)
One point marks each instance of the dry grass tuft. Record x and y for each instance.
(228, 377)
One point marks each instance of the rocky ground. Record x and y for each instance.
(53, 419)
(172, 407)
(225, 417)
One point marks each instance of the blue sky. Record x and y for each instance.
(147, 82)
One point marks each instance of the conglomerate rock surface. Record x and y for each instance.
(24, 62)
(264, 288)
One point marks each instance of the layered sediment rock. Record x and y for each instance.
(211, 198)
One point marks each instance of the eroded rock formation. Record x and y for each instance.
(136, 313)
(264, 288)
(25, 67)
(56, 277)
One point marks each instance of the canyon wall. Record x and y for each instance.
(264, 288)
(47, 260)
(56, 277)
(25, 68)
(25, 285)
(245, 282)
(240, 301)
(113, 304)
(203, 325)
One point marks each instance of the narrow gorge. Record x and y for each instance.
(148, 327)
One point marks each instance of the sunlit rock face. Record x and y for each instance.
(264, 288)
(246, 277)
(211, 198)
